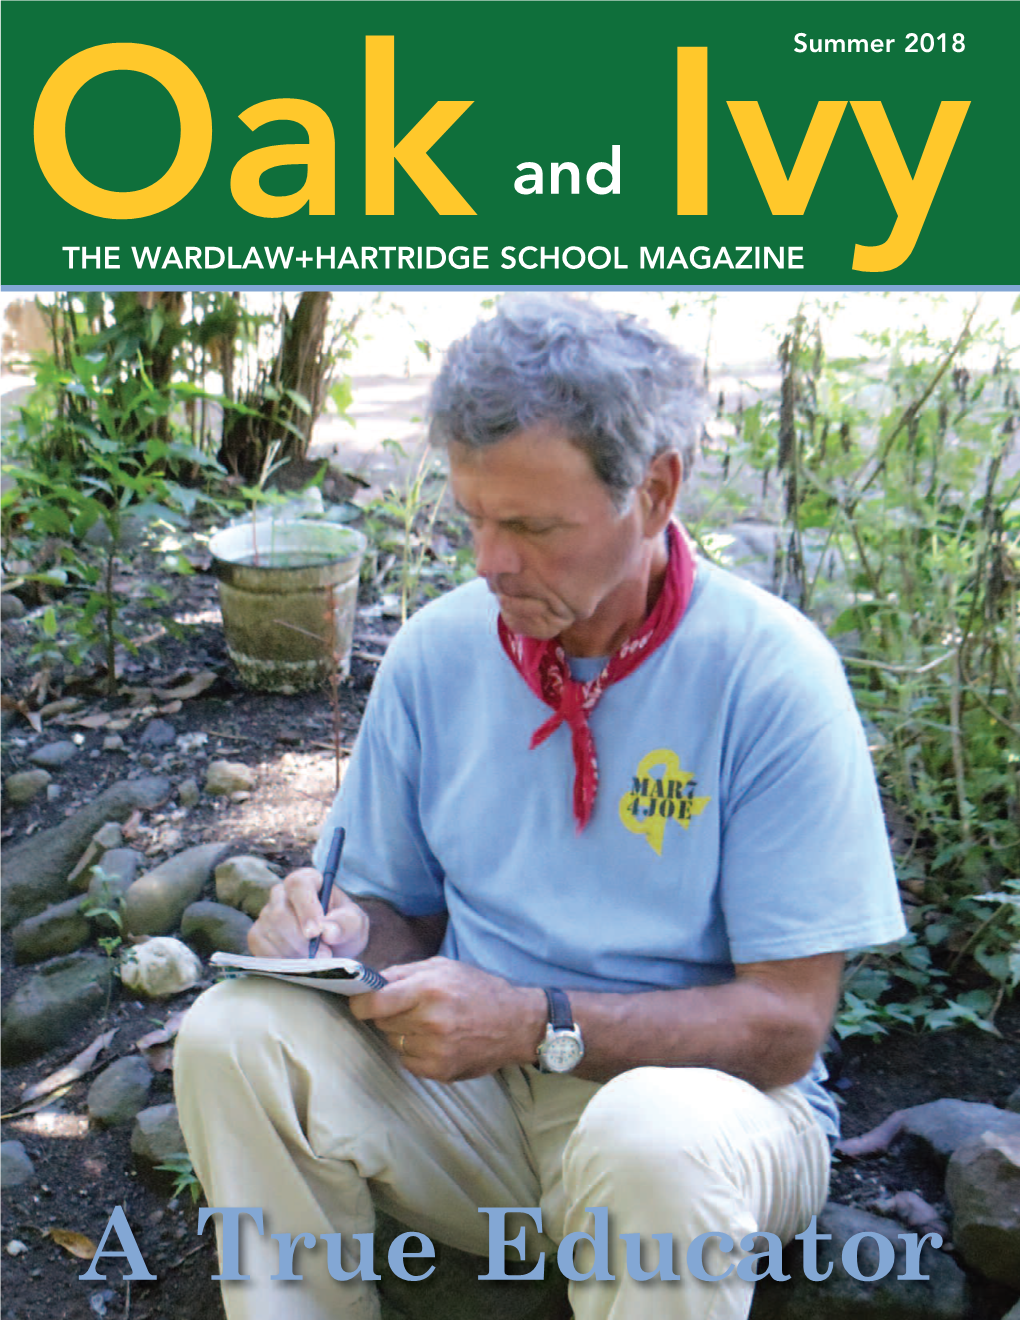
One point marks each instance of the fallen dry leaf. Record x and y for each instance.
(76, 1243)
(79, 1065)
(162, 1034)
(60, 707)
(92, 721)
(8, 703)
(198, 684)
(154, 1046)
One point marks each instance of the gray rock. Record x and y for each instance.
(188, 792)
(942, 1296)
(120, 1091)
(48, 1008)
(944, 1125)
(158, 733)
(24, 786)
(157, 1135)
(983, 1186)
(155, 903)
(160, 967)
(132, 531)
(245, 883)
(1013, 1313)
(16, 1165)
(53, 791)
(223, 777)
(35, 872)
(113, 742)
(54, 755)
(110, 879)
(10, 608)
(212, 926)
(109, 836)
(51, 933)
(1013, 1103)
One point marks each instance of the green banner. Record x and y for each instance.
(501, 144)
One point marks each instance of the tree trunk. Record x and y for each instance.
(302, 365)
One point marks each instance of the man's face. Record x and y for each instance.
(548, 540)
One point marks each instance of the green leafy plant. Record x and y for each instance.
(107, 909)
(117, 471)
(402, 524)
(899, 532)
(185, 1178)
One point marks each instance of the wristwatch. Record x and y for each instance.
(563, 1049)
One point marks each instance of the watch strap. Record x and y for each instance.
(561, 1016)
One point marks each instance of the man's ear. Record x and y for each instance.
(659, 490)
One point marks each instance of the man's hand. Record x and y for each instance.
(450, 1021)
(293, 916)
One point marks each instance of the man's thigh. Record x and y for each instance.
(286, 1098)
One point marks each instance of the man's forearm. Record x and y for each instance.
(766, 1030)
(394, 938)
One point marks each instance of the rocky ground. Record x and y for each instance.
(82, 1149)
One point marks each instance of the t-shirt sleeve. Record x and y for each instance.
(806, 867)
(386, 854)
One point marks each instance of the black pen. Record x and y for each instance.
(329, 871)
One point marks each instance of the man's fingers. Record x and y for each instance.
(301, 889)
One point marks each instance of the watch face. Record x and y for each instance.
(561, 1051)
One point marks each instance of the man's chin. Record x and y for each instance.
(527, 625)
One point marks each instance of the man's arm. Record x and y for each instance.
(454, 1021)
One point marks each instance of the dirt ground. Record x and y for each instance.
(82, 1172)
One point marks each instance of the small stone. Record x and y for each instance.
(225, 777)
(983, 1186)
(113, 742)
(160, 967)
(120, 1091)
(16, 1167)
(109, 835)
(36, 872)
(245, 883)
(211, 927)
(10, 608)
(53, 791)
(147, 759)
(56, 931)
(16, 1248)
(54, 755)
(156, 901)
(23, 787)
(48, 1008)
(157, 733)
(157, 1135)
(188, 793)
(240, 796)
(942, 1126)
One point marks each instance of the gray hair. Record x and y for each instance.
(619, 389)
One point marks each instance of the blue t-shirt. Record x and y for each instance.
(737, 818)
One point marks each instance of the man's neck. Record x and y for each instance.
(623, 611)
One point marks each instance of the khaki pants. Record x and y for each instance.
(287, 1103)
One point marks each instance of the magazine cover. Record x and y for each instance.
(566, 456)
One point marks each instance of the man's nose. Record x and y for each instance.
(495, 552)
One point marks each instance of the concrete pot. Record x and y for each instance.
(288, 592)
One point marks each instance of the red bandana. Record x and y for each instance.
(543, 666)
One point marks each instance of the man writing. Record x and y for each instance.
(611, 825)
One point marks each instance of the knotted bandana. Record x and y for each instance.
(544, 667)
